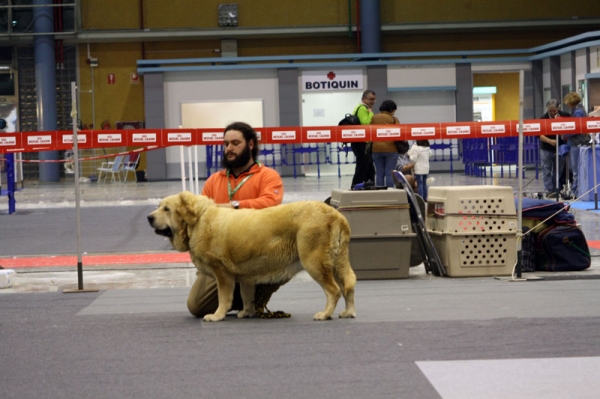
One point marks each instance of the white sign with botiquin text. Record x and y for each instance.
(332, 79)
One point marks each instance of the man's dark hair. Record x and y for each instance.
(388, 106)
(423, 143)
(249, 134)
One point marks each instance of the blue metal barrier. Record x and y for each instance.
(309, 154)
(475, 157)
(444, 150)
(271, 155)
(10, 182)
(479, 154)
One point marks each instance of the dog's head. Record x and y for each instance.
(176, 215)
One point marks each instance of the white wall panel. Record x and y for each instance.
(546, 73)
(422, 76)
(565, 69)
(595, 59)
(580, 64)
(425, 106)
(328, 108)
(218, 114)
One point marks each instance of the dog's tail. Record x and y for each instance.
(340, 243)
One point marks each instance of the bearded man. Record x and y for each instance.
(243, 183)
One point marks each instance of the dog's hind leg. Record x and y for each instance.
(342, 271)
(225, 288)
(320, 268)
(345, 277)
(247, 291)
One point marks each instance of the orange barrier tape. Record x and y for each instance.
(159, 138)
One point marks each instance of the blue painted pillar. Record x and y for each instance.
(45, 82)
(370, 26)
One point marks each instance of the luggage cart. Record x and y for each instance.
(431, 259)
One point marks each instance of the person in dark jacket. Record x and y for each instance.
(573, 100)
(385, 153)
(548, 147)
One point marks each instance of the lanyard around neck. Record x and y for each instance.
(235, 190)
(231, 192)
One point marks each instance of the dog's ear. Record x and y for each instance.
(185, 216)
(187, 208)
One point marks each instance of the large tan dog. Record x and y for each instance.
(252, 247)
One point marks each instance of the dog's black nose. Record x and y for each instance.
(150, 219)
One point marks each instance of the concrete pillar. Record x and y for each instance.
(464, 93)
(154, 107)
(555, 83)
(370, 26)
(45, 83)
(537, 72)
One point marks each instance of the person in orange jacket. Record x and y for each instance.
(243, 183)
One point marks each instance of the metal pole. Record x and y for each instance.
(557, 166)
(594, 166)
(77, 193)
(520, 171)
(190, 169)
(196, 181)
(182, 163)
(76, 177)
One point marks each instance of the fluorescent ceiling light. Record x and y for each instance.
(484, 90)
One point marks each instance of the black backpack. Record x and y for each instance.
(351, 119)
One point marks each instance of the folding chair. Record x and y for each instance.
(112, 167)
(131, 165)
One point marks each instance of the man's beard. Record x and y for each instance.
(239, 161)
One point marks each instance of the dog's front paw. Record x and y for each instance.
(246, 313)
(213, 317)
(321, 316)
